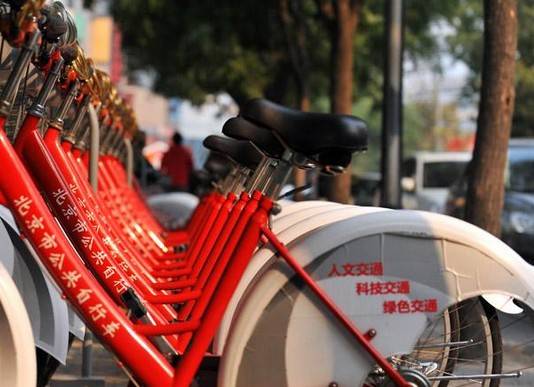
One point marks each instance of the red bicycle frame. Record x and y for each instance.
(226, 236)
(78, 284)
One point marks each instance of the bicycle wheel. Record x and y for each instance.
(457, 348)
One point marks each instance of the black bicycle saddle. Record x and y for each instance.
(242, 152)
(263, 138)
(329, 139)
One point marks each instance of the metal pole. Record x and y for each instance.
(392, 107)
(94, 148)
(87, 351)
(129, 160)
(87, 354)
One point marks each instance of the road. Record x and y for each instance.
(518, 348)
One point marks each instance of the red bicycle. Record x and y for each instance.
(269, 297)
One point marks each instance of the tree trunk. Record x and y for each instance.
(485, 194)
(293, 22)
(341, 83)
(299, 175)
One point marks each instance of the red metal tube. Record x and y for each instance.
(169, 285)
(334, 309)
(209, 323)
(173, 298)
(168, 329)
(86, 295)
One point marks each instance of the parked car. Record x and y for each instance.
(365, 189)
(427, 177)
(517, 220)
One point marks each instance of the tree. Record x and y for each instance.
(278, 49)
(196, 47)
(465, 44)
(341, 18)
(294, 23)
(199, 47)
(485, 194)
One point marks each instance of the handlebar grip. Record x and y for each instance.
(52, 26)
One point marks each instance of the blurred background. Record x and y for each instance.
(160, 112)
(225, 52)
(187, 66)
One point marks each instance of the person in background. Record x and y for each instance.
(151, 181)
(177, 163)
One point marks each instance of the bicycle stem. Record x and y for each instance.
(11, 85)
(83, 135)
(38, 107)
(58, 121)
(107, 140)
(72, 134)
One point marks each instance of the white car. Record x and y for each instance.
(427, 177)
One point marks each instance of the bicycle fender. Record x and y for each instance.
(303, 218)
(174, 208)
(7, 251)
(49, 316)
(389, 271)
(17, 355)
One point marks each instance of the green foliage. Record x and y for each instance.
(426, 124)
(419, 45)
(466, 44)
(419, 42)
(201, 47)
(523, 120)
(370, 160)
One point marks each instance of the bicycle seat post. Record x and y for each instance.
(280, 170)
(242, 174)
(225, 186)
(259, 175)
